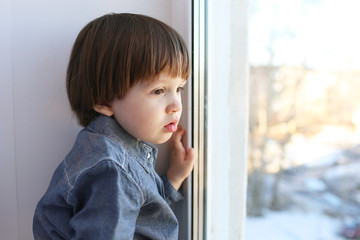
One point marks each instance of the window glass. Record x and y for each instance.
(304, 120)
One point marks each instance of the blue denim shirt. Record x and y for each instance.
(107, 188)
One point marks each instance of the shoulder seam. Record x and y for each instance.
(98, 163)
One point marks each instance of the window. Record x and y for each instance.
(304, 138)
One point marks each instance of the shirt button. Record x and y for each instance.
(148, 156)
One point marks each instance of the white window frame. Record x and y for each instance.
(220, 118)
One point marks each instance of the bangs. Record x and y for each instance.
(163, 49)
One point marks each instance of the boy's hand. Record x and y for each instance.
(181, 159)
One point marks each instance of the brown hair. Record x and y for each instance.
(115, 51)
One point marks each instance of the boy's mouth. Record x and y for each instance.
(171, 127)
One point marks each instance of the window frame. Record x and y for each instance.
(216, 27)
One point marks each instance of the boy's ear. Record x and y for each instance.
(104, 109)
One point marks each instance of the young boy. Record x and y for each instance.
(124, 83)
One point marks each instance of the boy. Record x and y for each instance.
(124, 82)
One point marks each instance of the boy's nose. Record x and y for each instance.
(174, 106)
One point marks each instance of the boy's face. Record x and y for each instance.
(151, 111)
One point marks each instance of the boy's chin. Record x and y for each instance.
(163, 139)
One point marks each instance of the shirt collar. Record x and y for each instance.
(109, 127)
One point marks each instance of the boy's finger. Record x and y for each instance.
(178, 135)
(175, 140)
(190, 154)
(179, 138)
(184, 139)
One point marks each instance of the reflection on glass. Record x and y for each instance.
(304, 135)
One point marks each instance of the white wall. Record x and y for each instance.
(36, 126)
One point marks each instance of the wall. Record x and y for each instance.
(36, 126)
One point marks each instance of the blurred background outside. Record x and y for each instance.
(304, 135)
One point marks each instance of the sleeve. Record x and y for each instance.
(171, 195)
(106, 203)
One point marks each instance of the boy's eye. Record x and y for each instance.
(179, 89)
(158, 91)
